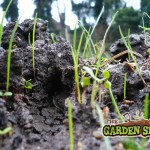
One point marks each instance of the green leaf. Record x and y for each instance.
(28, 85)
(148, 50)
(5, 131)
(7, 94)
(1, 93)
(107, 85)
(90, 72)
(106, 74)
(85, 81)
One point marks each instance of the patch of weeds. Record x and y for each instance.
(106, 76)
(71, 131)
(98, 63)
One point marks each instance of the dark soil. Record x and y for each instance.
(38, 117)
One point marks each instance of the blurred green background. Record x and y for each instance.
(57, 12)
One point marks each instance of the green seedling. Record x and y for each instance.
(129, 48)
(75, 55)
(85, 82)
(5, 94)
(106, 76)
(5, 131)
(1, 25)
(53, 38)
(9, 55)
(125, 86)
(28, 85)
(102, 123)
(90, 72)
(71, 134)
(33, 44)
(108, 86)
(98, 64)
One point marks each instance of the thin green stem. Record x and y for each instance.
(125, 85)
(71, 134)
(115, 105)
(33, 41)
(9, 55)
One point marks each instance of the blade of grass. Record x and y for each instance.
(71, 134)
(146, 113)
(101, 119)
(146, 106)
(33, 40)
(1, 25)
(9, 55)
(129, 48)
(125, 85)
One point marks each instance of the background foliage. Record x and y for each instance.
(128, 17)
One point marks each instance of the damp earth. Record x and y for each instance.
(38, 117)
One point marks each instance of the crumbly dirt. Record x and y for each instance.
(38, 117)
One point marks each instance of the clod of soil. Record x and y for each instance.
(35, 115)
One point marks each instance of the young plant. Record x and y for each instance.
(33, 40)
(75, 55)
(1, 25)
(71, 134)
(98, 64)
(28, 85)
(53, 38)
(108, 86)
(9, 58)
(106, 76)
(5, 131)
(128, 46)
